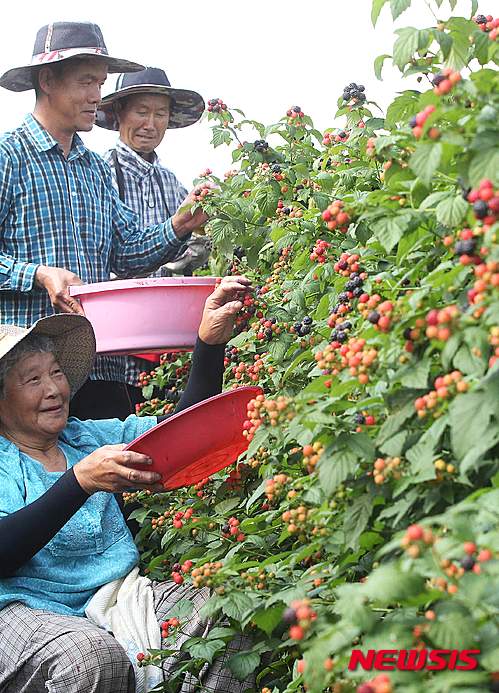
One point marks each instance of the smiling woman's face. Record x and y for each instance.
(35, 402)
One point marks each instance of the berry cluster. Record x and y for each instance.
(201, 191)
(440, 322)
(198, 488)
(216, 105)
(494, 341)
(266, 328)
(485, 201)
(205, 574)
(319, 251)
(363, 418)
(386, 468)
(335, 217)
(260, 146)
(179, 570)
(379, 684)
(311, 455)
(330, 138)
(166, 626)
(487, 279)
(446, 386)
(295, 115)
(280, 266)
(415, 539)
(488, 24)
(302, 327)
(418, 121)
(355, 355)
(445, 80)
(275, 488)
(443, 468)
(296, 519)
(288, 211)
(299, 616)
(354, 94)
(256, 579)
(180, 517)
(271, 411)
(260, 457)
(471, 561)
(377, 312)
(465, 247)
(248, 374)
(231, 529)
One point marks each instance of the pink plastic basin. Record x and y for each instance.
(145, 315)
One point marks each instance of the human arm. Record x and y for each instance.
(27, 529)
(15, 274)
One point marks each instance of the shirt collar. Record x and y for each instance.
(132, 161)
(44, 142)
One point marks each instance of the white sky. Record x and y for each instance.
(262, 56)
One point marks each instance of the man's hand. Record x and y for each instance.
(184, 222)
(56, 282)
(221, 308)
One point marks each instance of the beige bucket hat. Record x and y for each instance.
(74, 341)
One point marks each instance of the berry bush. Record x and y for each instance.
(364, 514)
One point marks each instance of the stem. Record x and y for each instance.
(430, 8)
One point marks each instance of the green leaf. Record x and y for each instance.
(199, 648)
(452, 631)
(376, 8)
(267, 198)
(460, 30)
(389, 584)
(237, 606)
(334, 467)
(405, 46)
(378, 64)
(356, 519)
(402, 108)
(221, 136)
(433, 200)
(463, 411)
(452, 210)
(425, 161)
(243, 664)
(394, 421)
(267, 619)
(399, 6)
(485, 164)
(415, 375)
(390, 229)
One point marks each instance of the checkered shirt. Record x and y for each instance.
(151, 200)
(65, 212)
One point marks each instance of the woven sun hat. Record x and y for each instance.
(59, 41)
(186, 106)
(73, 338)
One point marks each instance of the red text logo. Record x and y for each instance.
(414, 660)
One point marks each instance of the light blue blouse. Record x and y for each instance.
(94, 546)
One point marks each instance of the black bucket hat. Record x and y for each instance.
(186, 106)
(59, 41)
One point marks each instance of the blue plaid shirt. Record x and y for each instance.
(154, 193)
(65, 212)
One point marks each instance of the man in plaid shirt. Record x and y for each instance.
(61, 220)
(142, 107)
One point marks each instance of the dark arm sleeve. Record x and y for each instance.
(26, 531)
(206, 376)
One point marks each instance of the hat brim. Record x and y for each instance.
(74, 342)
(186, 106)
(21, 78)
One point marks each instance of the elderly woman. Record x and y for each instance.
(63, 537)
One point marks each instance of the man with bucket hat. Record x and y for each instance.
(142, 107)
(61, 220)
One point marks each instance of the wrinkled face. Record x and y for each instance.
(36, 397)
(75, 93)
(143, 121)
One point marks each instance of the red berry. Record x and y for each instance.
(469, 547)
(414, 532)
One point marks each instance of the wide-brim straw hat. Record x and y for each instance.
(60, 41)
(73, 338)
(186, 106)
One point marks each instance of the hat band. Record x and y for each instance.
(54, 56)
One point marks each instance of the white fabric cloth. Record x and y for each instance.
(125, 607)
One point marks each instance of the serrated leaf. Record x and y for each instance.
(377, 6)
(199, 648)
(416, 374)
(267, 198)
(452, 210)
(267, 619)
(452, 631)
(399, 6)
(334, 467)
(389, 584)
(378, 64)
(432, 200)
(405, 46)
(485, 164)
(402, 108)
(237, 605)
(243, 664)
(425, 161)
(356, 519)
(389, 230)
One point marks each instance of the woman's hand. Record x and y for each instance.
(221, 308)
(107, 469)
